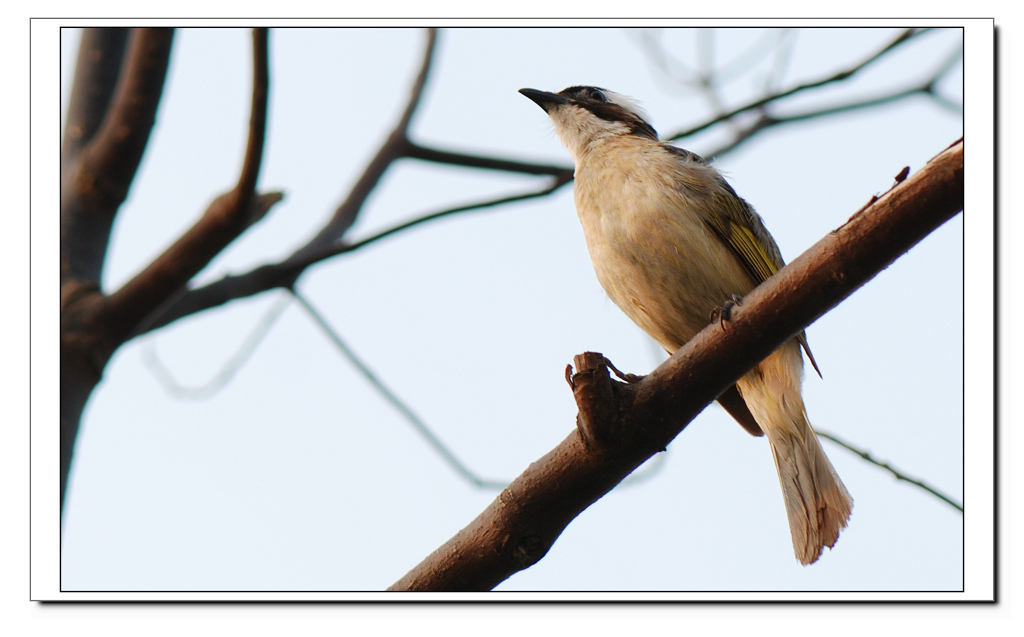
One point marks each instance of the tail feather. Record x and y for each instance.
(817, 503)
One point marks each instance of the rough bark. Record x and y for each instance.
(621, 425)
(101, 155)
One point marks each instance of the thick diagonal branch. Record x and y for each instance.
(629, 423)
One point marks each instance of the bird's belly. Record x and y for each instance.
(667, 271)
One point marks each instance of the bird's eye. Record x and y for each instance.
(597, 95)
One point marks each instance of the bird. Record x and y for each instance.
(671, 242)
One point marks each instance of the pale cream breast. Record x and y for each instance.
(647, 242)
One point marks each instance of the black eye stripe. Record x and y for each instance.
(594, 100)
(584, 93)
(607, 111)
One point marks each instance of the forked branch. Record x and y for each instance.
(224, 220)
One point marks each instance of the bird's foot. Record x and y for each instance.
(629, 378)
(724, 313)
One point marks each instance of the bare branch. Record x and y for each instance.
(407, 413)
(102, 155)
(342, 248)
(326, 243)
(114, 154)
(928, 87)
(246, 187)
(416, 94)
(783, 55)
(706, 83)
(226, 289)
(901, 39)
(227, 372)
(680, 73)
(100, 55)
(416, 151)
(894, 471)
(932, 87)
(225, 219)
(106, 132)
(285, 273)
(394, 148)
(766, 121)
(621, 425)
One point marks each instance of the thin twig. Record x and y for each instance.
(227, 372)
(766, 121)
(707, 83)
(394, 400)
(394, 148)
(342, 248)
(284, 273)
(904, 37)
(245, 351)
(246, 186)
(259, 333)
(944, 68)
(415, 151)
(680, 73)
(888, 467)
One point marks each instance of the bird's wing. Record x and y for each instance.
(743, 231)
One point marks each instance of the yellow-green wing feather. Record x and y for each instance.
(743, 231)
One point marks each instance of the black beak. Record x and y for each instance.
(543, 99)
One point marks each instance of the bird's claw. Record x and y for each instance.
(723, 314)
(629, 378)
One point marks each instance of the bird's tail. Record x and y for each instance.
(817, 502)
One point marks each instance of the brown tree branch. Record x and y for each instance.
(283, 274)
(328, 242)
(225, 219)
(100, 55)
(246, 186)
(117, 149)
(415, 151)
(93, 326)
(393, 149)
(621, 425)
(104, 148)
(106, 132)
(560, 180)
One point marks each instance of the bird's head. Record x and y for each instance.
(583, 115)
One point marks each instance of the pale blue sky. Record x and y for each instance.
(298, 476)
